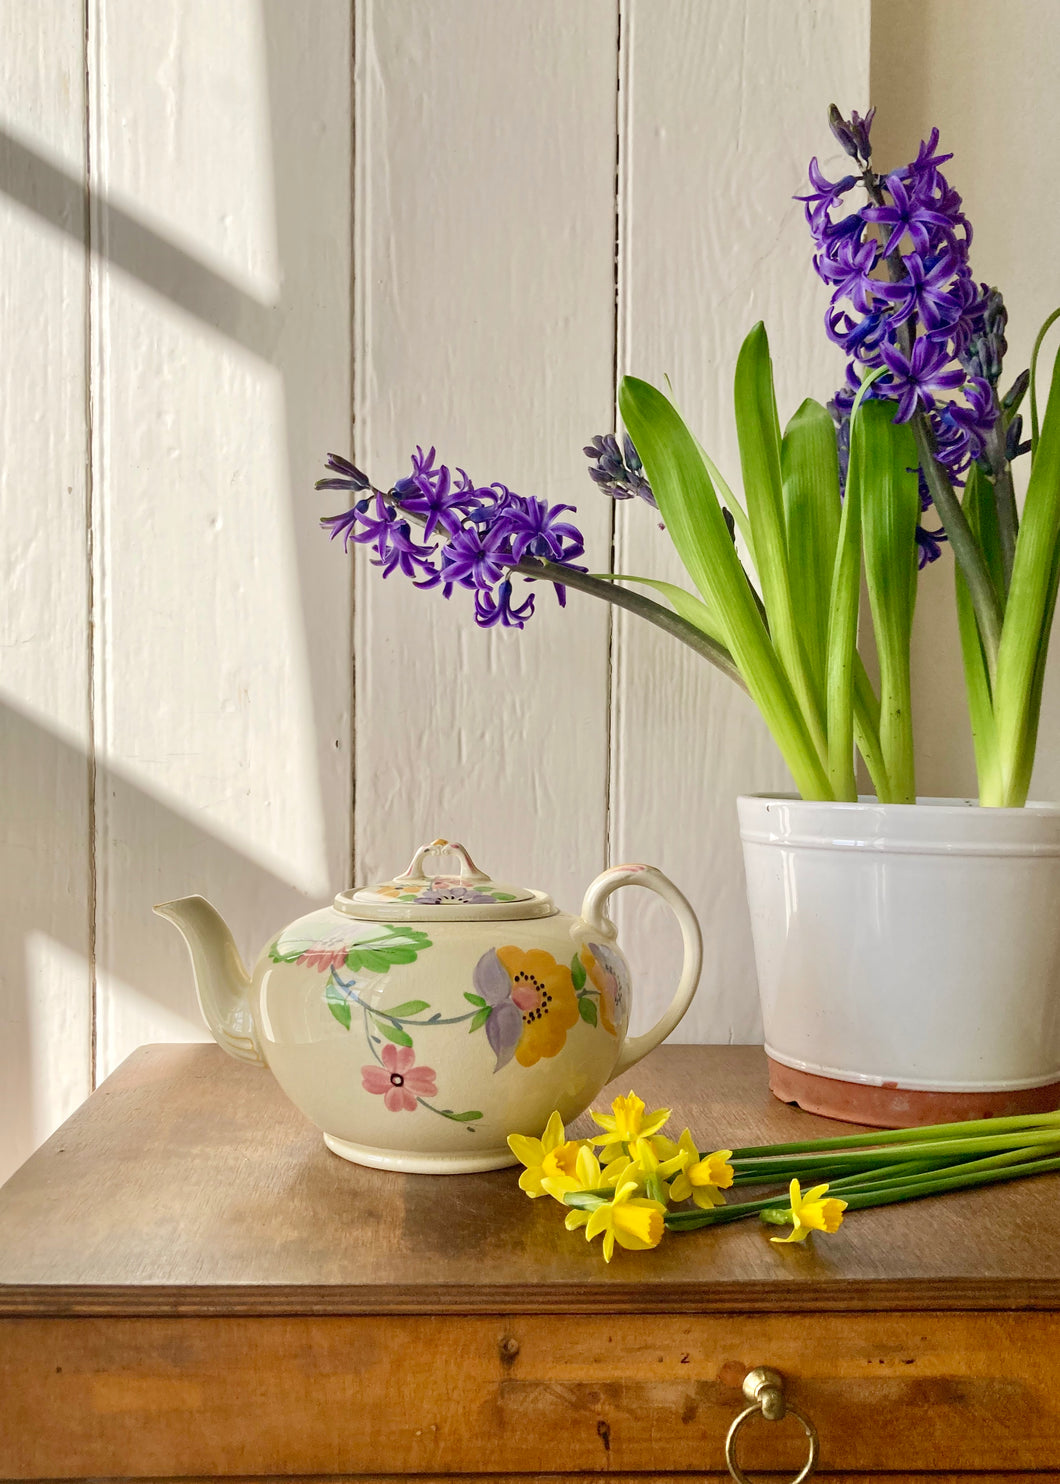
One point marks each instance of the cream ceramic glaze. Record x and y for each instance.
(421, 1020)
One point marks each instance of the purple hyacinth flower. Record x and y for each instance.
(344, 525)
(824, 193)
(349, 477)
(929, 546)
(853, 133)
(433, 500)
(858, 337)
(908, 214)
(913, 382)
(497, 608)
(404, 555)
(423, 475)
(376, 527)
(849, 272)
(535, 529)
(476, 558)
(926, 291)
(926, 158)
(505, 1024)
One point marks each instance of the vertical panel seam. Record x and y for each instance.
(354, 372)
(610, 691)
(90, 555)
(617, 359)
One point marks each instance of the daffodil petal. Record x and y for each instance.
(527, 1150)
(681, 1188)
(557, 1186)
(598, 1222)
(554, 1134)
(530, 1181)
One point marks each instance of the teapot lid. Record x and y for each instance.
(419, 895)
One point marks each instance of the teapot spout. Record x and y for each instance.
(222, 984)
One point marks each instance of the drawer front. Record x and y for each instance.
(890, 1393)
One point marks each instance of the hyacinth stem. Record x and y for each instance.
(637, 603)
(643, 607)
(966, 550)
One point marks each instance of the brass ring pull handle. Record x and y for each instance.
(764, 1389)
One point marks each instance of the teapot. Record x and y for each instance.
(420, 1021)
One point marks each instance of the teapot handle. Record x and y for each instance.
(592, 913)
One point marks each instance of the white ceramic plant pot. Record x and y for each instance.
(908, 956)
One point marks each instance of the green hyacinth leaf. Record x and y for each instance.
(809, 459)
(577, 973)
(1031, 604)
(693, 516)
(480, 1018)
(981, 511)
(587, 1009)
(890, 512)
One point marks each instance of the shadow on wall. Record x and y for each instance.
(41, 770)
(46, 777)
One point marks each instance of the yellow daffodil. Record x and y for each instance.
(810, 1212)
(533, 1152)
(650, 1163)
(625, 1123)
(702, 1179)
(573, 1166)
(627, 1219)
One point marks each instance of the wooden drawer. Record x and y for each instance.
(890, 1393)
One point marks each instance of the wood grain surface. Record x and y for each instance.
(671, 1477)
(454, 1394)
(189, 1184)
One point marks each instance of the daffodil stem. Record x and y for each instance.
(856, 1160)
(717, 1215)
(1011, 1159)
(913, 1189)
(905, 1135)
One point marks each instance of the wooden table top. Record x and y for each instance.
(188, 1184)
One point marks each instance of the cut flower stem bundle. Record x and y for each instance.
(639, 1187)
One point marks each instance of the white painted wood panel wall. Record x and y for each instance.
(491, 323)
(185, 702)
